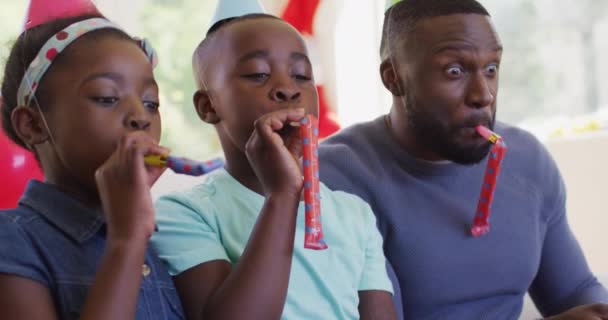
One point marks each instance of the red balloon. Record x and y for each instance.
(17, 167)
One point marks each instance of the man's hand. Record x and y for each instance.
(598, 311)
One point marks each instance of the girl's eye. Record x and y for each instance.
(108, 101)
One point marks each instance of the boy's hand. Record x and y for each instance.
(275, 159)
(124, 183)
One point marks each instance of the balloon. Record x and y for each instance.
(17, 167)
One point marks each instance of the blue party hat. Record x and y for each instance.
(235, 8)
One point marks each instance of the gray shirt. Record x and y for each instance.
(425, 210)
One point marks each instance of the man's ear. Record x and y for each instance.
(204, 107)
(29, 126)
(390, 79)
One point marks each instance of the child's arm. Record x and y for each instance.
(124, 186)
(375, 287)
(376, 305)
(23, 298)
(256, 287)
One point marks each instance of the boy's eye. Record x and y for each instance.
(151, 105)
(302, 77)
(108, 101)
(257, 76)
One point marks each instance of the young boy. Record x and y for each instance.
(235, 243)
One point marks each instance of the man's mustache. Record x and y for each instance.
(475, 120)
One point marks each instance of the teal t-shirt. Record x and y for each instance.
(213, 221)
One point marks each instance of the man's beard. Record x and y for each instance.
(438, 136)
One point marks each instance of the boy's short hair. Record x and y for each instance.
(400, 19)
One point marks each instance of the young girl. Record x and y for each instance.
(80, 94)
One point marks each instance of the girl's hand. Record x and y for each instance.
(124, 183)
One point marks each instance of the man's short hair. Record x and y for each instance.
(400, 19)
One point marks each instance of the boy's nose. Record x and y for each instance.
(285, 94)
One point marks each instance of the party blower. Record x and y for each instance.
(309, 133)
(481, 223)
(184, 165)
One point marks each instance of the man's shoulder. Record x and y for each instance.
(354, 146)
(528, 165)
(356, 136)
(342, 199)
(351, 157)
(515, 134)
(523, 145)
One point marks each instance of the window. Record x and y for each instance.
(551, 74)
(550, 77)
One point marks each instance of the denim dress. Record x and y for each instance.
(55, 240)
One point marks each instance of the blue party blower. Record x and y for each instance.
(184, 165)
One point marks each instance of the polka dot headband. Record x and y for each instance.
(56, 45)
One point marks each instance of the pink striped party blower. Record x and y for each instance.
(309, 132)
(481, 224)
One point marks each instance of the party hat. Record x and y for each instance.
(390, 3)
(235, 8)
(42, 11)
